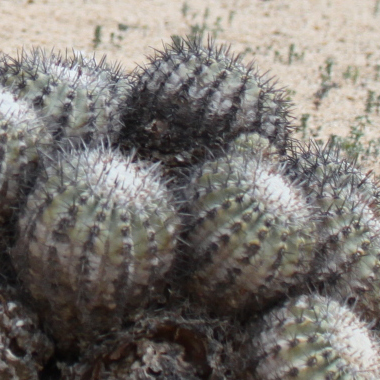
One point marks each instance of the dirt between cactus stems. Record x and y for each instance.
(325, 52)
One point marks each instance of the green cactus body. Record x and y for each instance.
(347, 207)
(312, 337)
(24, 349)
(22, 136)
(96, 241)
(255, 145)
(250, 235)
(192, 99)
(79, 98)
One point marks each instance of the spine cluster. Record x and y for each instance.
(164, 224)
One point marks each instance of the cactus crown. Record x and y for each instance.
(192, 99)
(316, 337)
(79, 98)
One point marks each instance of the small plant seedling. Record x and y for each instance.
(372, 102)
(198, 30)
(120, 34)
(122, 27)
(303, 127)
(352, 72)
(353, 144)
(231, 16)
(326, 82)
(184, 9)
(376, 9)
(293, 55)
(377, 72)
(326, 71)
(289, 94)
(97, 36)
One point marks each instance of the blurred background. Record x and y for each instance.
(325, 53)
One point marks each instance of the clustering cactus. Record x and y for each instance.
(312, 337)
(251, 234)
(22, 134)
(97, 238)
(137, 273)
(79, 98)
(347, 209)
(192, 99)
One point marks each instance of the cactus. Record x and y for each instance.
(347, 206)
(192, 99)
(22, 135)
(79, 98)
(131, 282)
(24, 349)
(96, 241)
(250, 234)
(312, 337)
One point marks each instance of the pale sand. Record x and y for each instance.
(345, 31)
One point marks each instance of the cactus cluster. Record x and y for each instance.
(164, 224)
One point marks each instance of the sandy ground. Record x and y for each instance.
(325, 52)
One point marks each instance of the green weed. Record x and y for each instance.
(326, 82)
(184, 9)
(231, 16)
(120, 34)
(372, 102)
(97, 36)
(376, 8)
(352, 72)
(353, 144)
(292, 56)
(204, 27)
(303, 127)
